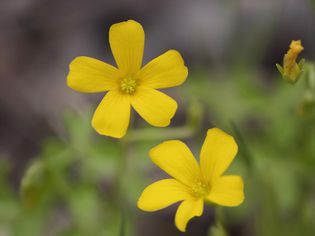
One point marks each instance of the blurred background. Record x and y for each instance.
(58, 177)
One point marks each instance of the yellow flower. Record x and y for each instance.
(291, 71)
(129, 85)
(193, 184)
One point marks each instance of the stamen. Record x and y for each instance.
(200, 189)
(128, 85)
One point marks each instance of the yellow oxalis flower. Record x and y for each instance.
(194, 184)
(129, 85)
(291, 70)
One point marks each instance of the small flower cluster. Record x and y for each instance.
(132, 86)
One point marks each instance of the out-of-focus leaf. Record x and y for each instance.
(79, 130)
(56, 154)
(30, 223)
(101, 162)
(34, 184)
(85, 207)
(9, 209)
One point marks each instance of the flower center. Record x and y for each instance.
(128, 85)
(200, 189)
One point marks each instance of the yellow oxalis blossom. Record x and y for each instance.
(194, 184)
(129, 85)
(291, 71)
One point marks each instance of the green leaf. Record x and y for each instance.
(85, 207)
(34, 184)
(280, 68)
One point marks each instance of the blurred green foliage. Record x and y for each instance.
(82, 184)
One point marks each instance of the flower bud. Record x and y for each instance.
(291, 70)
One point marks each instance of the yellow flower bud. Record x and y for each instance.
(291, 70)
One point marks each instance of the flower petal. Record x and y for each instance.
(167, 70)
(127, 43)
(154, 106)
(112, 116)
(175, 158)
(217, 153)
(90, 75)
(162, 194)
(227, 191)
(187, 210)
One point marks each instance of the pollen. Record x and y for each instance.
(200, 189)
(128, 85)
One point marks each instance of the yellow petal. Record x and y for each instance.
(127, 43)
(162, 194)
(227, 191)
(175, 158)
(90, 75)
(112, 116)
(217, 153)
(167, 70)
(187, 210)
(154, 106)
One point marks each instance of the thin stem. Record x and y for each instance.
(120, 184)
(156, 134)
(219, 216)
(122, 230)
(218, 228)
(243, 148)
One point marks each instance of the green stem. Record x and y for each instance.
(150, 134)
(190, 128)
(243, 148)
(219, 219)
(122, 230)
(218, 229)
(120, 184)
